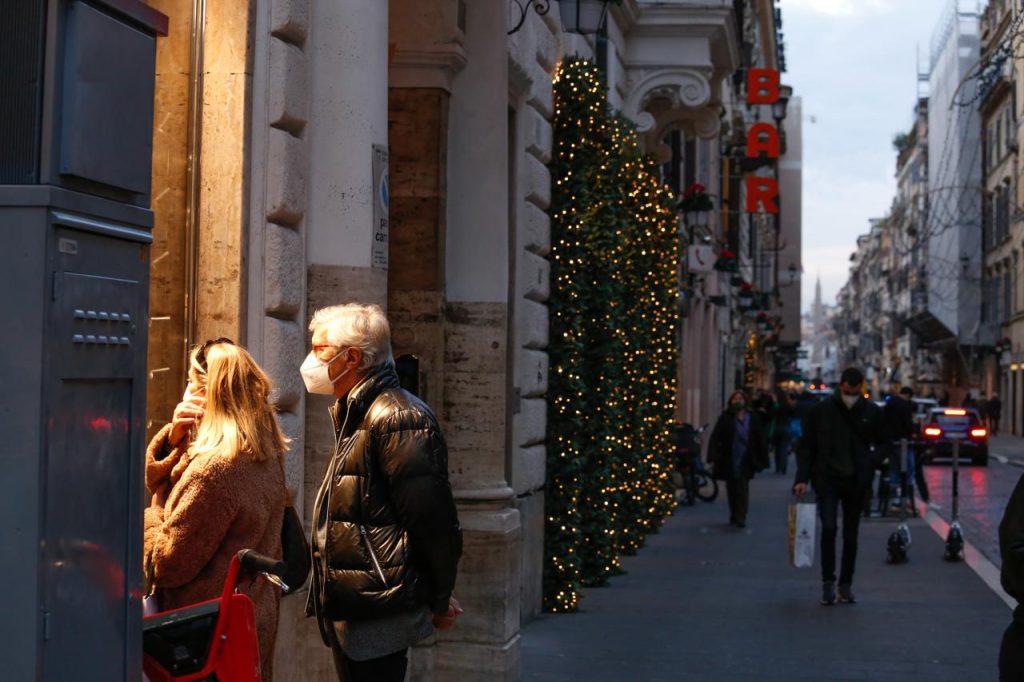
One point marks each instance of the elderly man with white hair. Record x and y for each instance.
(386, 540)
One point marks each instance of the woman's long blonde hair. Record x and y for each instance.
(238, 418)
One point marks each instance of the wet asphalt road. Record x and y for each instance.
(984, 492)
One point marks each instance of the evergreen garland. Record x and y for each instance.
(613, 345)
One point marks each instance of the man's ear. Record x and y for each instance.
(354, 356)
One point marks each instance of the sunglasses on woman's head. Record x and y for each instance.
(201, 355)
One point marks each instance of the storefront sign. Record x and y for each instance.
(381, 200)
(762, 139)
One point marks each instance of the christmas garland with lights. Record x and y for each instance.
(613, 348)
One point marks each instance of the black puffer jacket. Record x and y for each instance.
(838, 442)
(386, 537)
(1011, 547)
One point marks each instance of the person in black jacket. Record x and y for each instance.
(782, 437)
(995, 413)
(898, 417)
(737, 450)
(1011, 547)
(835, 456)
(386, 539)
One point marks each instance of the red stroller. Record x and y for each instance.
(214, 640)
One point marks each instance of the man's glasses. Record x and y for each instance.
(201, 354)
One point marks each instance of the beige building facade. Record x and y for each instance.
(395, 152)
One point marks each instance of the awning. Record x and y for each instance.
(929, 328)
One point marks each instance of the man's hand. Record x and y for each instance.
(446, 621)
(799, 489)
(186, 414)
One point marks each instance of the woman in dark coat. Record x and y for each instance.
(737, 450)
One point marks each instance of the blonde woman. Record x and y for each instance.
(217, 486)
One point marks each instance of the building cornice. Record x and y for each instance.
(426, 66)
(677, 53)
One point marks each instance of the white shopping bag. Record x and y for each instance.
(802, 527)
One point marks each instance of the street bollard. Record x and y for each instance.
(898, 545)
(955, 537)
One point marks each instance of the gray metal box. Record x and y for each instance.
(76, 277)
(76, 95)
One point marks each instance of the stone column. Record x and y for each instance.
(349, 74)
(325, 92)
(533, 53)
(486, 645)
(276, 302)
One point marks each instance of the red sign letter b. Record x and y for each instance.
(762, 86)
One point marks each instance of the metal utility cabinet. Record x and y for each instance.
(76, 118)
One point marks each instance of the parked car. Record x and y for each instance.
(922, 407)
(946, 424)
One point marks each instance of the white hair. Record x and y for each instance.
(357, 326)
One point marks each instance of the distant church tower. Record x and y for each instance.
(818, 325)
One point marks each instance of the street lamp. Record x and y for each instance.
(780, 105)
(578, 16)
(790, 275)
(583, 16)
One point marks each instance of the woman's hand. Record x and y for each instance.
(186, 414)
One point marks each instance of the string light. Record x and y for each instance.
(614, 324)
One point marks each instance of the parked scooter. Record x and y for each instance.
(215, 639)
(898, 545)
(955, 537)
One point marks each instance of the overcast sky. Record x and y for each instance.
(853, 62)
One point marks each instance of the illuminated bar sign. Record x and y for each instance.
(762, 138)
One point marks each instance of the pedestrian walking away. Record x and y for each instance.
(737, 450)
(836, 458)
(218, 487)
(995, 413)
(898, 421)
(1011, 547)
(782, 438)
(386, 538)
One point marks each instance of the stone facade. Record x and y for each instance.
(301, 93)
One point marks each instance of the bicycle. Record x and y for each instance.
(215, 639)
(698, 484)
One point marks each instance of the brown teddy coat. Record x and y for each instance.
(203, 511)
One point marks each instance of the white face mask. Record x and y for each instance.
(316, 375)
(850, 400)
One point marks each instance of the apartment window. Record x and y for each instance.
(986, 222)
(986, 309)
(1007, 310)
(988, 147)
(1009, 127)
(995, 298)
(1005, 216)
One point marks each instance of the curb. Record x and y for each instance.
(984, 568)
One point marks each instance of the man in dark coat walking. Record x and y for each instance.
(836, 457)
(995, 413)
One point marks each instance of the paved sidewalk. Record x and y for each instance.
(1011, 447)
(704, 601)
